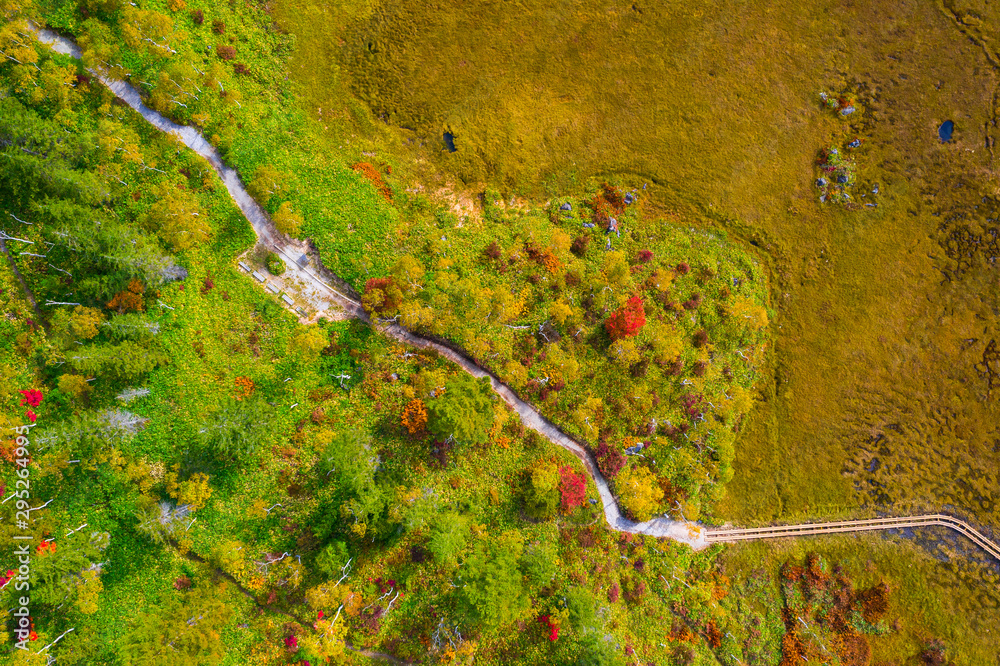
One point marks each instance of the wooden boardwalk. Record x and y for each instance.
(716, 535)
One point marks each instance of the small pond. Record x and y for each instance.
(947, 127)
(449, 142)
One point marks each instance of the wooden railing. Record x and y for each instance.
(713, 535)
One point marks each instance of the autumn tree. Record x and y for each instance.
(414, 416)
(464, 412)
(177, 218)
(610, 460)
(308, 342)
(75, 386)
(561, 312)
(615, 271)
(624, 352)
(572, 488)
(129, 299)
(268, 182)
(382, 295)
(147, 30)
(408, 273)
(638, 492)
(287, 220)
(84, 322)
(193, 492)
(627, 320)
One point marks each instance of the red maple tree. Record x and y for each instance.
(626, 320)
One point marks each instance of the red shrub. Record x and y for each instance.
(553, 629)
(32, 397)
(225, 51)
(610, 460)
(626, 320)
(572, 487)
(693, 302)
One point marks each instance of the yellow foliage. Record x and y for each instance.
(753, 315)
(85, 321)
(74, 385)
(287, 220)
(326, 640)
(560, 311)
(258, 510)
(624, 352)
(545, 477)
(309, 342)
(195, 491)
(140, 473)
(560, 241)
(515, 373)
(89, 590)
(638, 492)
(500, 415)
(660, 279)
(177, 217)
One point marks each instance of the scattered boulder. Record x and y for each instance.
(566, 206)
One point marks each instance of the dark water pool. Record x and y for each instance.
(947, 127)
(449, 142)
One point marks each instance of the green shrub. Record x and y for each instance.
(274, 264)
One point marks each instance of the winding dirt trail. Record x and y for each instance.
(328, 300)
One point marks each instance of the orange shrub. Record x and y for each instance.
(414, 416)
(244, 387)
(372, 174)
(129, 300)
